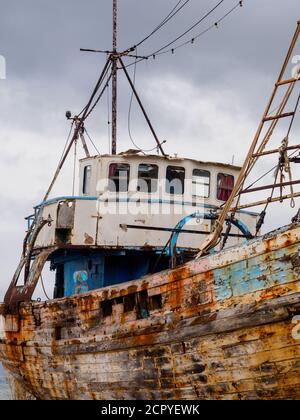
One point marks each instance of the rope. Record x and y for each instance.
(284, 158)
(44, 290)
(262, 216)
(286, 167)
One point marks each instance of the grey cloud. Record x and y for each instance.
(217, 88)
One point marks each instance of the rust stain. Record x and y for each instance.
(186, 346)
(88, 240)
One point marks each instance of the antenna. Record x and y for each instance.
(114, 58)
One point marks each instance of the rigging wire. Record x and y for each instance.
(43, 287)
(163, 50)
(171, 14)
(97, 87)
(144, 151)
(101, 93)
(67, 141)
(192, 40)
(190, 28)
(289, 156)
(129, 111)
(89, 137)
(267, 173)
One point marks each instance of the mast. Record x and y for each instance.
(114, 57)
(114, 81)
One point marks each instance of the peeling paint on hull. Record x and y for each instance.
(220, 327)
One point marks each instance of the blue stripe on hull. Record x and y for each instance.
(256, 274)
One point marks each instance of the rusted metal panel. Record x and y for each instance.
(23, 293)
(175, 334)
(65, 214)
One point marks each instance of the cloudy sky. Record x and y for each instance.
(206, 99)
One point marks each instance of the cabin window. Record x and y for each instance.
(119, 174)
(175, 180)
(86, 186)
(225, 185)
(201, 183)
(147, 178)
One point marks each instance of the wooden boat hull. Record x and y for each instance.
(221, 327)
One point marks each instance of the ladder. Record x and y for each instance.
(258, 146)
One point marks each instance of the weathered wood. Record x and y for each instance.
(222, 330)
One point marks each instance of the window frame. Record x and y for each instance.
(86, 181)
(156, 179)
(209, 183)
(109, 178)
(183, 183)
(217, 190)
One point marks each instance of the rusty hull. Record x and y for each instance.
(220, 327)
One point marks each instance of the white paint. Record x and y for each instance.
(114, 212)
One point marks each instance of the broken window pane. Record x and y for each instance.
(119, 174)
(175, 180)
(147, 178)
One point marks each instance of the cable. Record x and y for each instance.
(91, 141)
(99, 83)
(267, 173)
(214, 25)
(129, 119)
(293, 117)
(42, 282)
(129, 111)
(190, 28)
(289, 156)
(163, 50)
(172, 13)
(101, 93)
(67, 141)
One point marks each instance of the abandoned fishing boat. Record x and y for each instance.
(164, 286)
